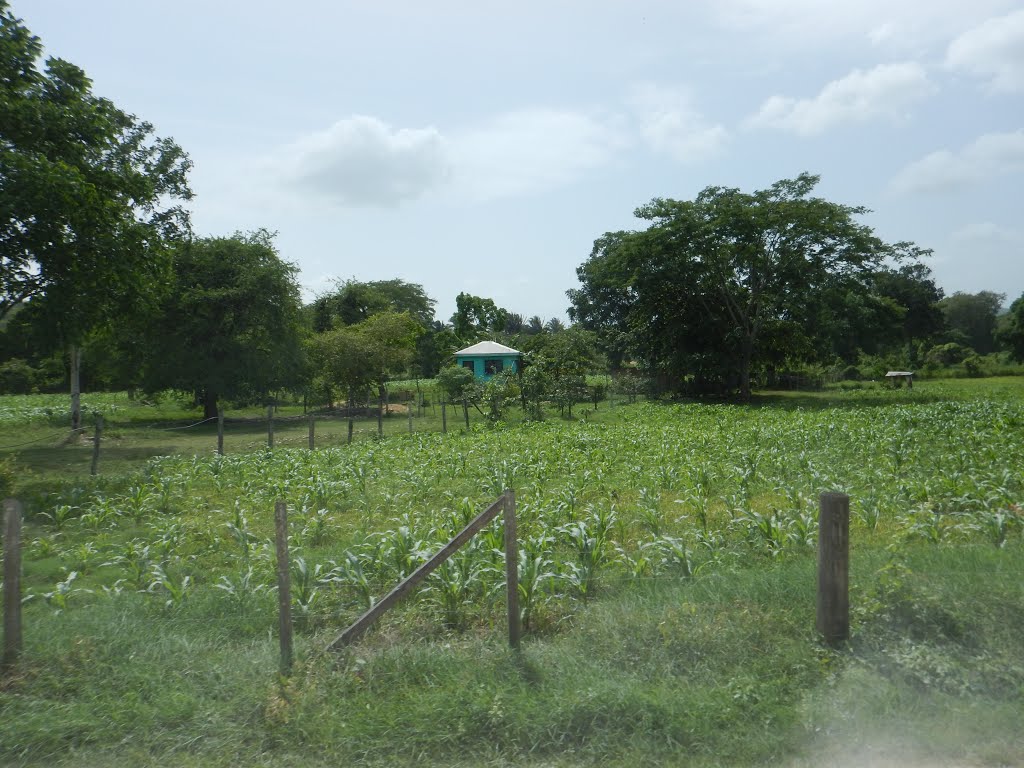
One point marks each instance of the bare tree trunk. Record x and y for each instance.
(75, 353)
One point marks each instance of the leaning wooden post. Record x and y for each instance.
(220, 431)
(12, 582)
(270, 426)
(312, 432)
(512, 569)
(833, 620)
(284, 587)
(96, 445)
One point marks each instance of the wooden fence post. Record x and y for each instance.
(380, 414)
(512, 568)
(351, 421)
(270, 427)
(465, 410)
(444, 417)
(408, 407)
(220, 430)
(312, 432)
(12, 582)
(284, 587)
(833, 609)
(96, 445)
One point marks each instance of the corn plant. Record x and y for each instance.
(350, 574)
(174, 588)
(242, 588)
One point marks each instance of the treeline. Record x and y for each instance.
(735, 290)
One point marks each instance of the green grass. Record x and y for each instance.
(672, 621)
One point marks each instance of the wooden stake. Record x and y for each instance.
(96, 445)
(220, 430)
(512, 568)
(284, 587)
(833, 610)
(409, 409)
(270, 427)
(12, 581)
(312, 433)
(444, 417)
(367, 620)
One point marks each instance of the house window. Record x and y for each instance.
(469, 364)
(493, 367)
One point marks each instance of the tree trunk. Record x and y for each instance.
(746, 356)
(209, 405)
(75, 354)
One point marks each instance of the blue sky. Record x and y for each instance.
(482, 147)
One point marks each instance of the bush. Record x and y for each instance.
(17, 378)
(945, 355)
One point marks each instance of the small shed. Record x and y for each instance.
(488, 358)
(896, 378)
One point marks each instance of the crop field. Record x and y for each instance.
(667, 565)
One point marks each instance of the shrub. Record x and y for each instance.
(17, 377)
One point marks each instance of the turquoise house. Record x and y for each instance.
(488, 358)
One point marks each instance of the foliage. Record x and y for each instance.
(230, 325)
(1011, 332)
(456, 383)
(17, 377)
(359, 357)
(718, 286)
(475, 317)
(89, 196)
(972, 318)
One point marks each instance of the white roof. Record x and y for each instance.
(488, 348)
(899, 373)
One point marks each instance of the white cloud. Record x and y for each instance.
(362, 161)
(530, 150)
(990, 155)
(987, 230)
(670, 124)
(888, 90)
(994, 49)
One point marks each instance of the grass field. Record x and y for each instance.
(667, 581)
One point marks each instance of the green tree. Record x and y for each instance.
(230, 326)
(359, 357)
(730, 281)
(476, 317)
(1011, 331)
(972, 318)
(89, 197)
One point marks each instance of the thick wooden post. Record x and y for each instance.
(96, 445)
(270, 426)
(12, 581)
(512, 568)
(465, 411)
(312, 432)
(220, 430)
(833, 615)
(284, 587)
(444, 417)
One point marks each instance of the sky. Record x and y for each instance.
(483, 146)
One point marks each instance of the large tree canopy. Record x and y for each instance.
(230, 326)
(88, 196)
(971, 318)
(730, 281)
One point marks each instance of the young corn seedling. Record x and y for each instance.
(173, 588)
